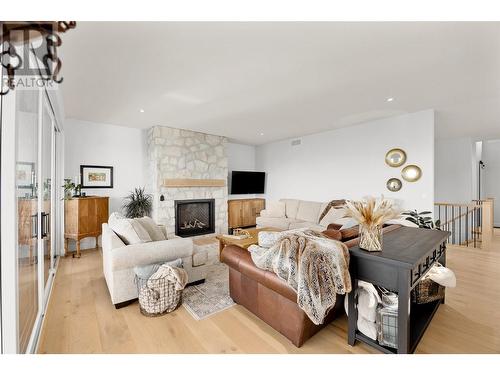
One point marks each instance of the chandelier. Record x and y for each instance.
(16, 36)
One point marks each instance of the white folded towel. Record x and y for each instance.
(368, 300)
(442, 275)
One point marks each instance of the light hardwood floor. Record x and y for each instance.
(81, 318)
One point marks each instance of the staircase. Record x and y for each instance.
(470, 224)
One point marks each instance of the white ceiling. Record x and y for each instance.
(282, 79)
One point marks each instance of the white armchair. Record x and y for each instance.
(119, 261)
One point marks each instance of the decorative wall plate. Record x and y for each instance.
(395, 157)
(394, 184)
(411, 173)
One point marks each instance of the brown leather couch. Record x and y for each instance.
(270, 298)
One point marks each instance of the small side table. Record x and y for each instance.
(407, 255)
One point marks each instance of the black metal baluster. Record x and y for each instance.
(467, 227)
(474, 225)
(459, 225)
(446, 221)
(453, 224)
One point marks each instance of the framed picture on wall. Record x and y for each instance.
(25, 174)
(96, 176)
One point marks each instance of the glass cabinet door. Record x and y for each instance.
(27, 187)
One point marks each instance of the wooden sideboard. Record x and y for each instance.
(83, 217)
(244, 212)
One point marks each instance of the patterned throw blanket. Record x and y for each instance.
(315, 266)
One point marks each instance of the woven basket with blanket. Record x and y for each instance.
(160, 288)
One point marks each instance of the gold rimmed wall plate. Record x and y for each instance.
(411, 173)
(395, 157)
(394, 184)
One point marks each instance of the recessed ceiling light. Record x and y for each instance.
(261, 134)
(141, 110)
(391, 99)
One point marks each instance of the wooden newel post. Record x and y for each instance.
(487, 221)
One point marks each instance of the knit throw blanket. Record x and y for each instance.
(315, 266)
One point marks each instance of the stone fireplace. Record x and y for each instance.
(183, 154)
(194, 217)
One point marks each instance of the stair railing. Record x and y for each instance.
(470, 224)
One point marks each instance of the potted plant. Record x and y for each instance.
(422, 221)
(70, 189)
(138, 203)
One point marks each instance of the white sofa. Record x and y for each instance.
(297, 214)
(119, 261)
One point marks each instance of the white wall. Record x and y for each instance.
(491, 175)
(455, 180)
(240, 157)
(102, 144)
(350, 162)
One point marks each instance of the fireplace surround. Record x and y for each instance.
(184, 155)
(194, 217)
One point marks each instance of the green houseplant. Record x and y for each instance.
(138, 203)
(422, 221)
(70, 189)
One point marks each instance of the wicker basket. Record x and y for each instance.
(427, 291)
(157, 296)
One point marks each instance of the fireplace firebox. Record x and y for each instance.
(194, 217)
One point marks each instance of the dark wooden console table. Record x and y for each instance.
(407, 255)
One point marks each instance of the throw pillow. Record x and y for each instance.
(350, 233)
(129, 230)
(332, 216)
(345, 234)
(292, 206)
(334, 203)
(275, 209)
(333, 234)
(334, 226)
(309, 211)
(152, 228)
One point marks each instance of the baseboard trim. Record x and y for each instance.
(125, 303)
(197, 282)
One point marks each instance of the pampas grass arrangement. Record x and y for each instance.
(371, 214)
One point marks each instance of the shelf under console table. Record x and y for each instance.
(407, 255)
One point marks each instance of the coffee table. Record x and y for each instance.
(244, 243)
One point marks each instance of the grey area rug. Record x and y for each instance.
(211, 297)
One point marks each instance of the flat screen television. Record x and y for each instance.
(247, 182)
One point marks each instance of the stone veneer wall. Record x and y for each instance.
(177, 153)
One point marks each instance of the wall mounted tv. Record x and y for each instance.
(247, 182)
